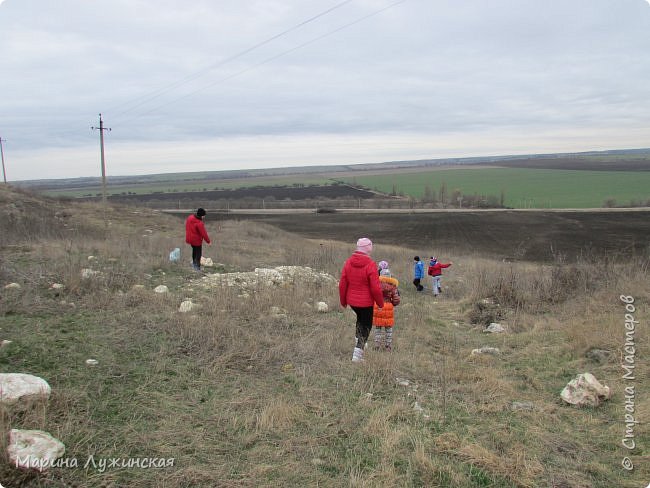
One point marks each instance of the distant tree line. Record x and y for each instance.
(635, 202)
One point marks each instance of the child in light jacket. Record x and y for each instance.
(435, 271)
(384, 318)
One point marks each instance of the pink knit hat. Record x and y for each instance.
(364, 245)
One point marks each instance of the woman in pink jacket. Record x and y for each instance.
(359, 287)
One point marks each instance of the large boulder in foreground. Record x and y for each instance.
(585, 391)
(19, 387)
(33, 449)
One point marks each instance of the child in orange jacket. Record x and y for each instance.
(384, 318)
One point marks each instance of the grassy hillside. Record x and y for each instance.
(522, 187)
(241, 395)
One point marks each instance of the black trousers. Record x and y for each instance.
(417, 284)
(364, 324)
(197, 251)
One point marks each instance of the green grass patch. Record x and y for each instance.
(523, 188)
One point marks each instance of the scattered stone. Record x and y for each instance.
(137, 287)
(494, 328)
(15, 387)
(419, 409)
(287, 367)
(56, 286)
(486, 350)
(599, 355)
(322, 307)
(243, 295)
(402, 382)
(276, 311)
(88, 273)
(186, 306)
(92, 362)
(33, 449)
(5, 343)
(161, 289)
(12, 286)
(207, 262)
(522, 406)
(585, 390)
(92, 258)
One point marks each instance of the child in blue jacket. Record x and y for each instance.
(418, 273)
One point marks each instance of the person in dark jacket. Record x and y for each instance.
(359, 287)
(195, 234)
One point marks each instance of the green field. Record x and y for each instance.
(523, 188)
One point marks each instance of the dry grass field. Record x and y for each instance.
(239, 395)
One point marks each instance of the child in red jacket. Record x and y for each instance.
(435, 271)
(384, 318)
(195, 234)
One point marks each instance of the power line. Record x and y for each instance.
(158, 93)
(268, 60)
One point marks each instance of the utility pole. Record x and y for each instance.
(2, 153)
(101, 129)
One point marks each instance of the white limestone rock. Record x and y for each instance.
(12, 286)
(322, 307)
(494, 328)
(486, 350)
(17, 387)
(33, 449)
(88, 273)
(585, 390)
(526, 406)
(92, 362)
(268, 277)
(161, 289)
(186, 306)
(207, 262)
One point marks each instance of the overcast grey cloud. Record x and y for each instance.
(194, 85)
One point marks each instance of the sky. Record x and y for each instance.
(206, 85)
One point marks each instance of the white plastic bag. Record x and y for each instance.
(175, 255)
